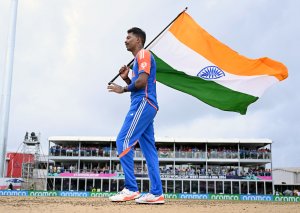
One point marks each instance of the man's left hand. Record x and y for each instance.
(115, 88)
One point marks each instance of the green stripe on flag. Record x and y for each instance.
(207, 91)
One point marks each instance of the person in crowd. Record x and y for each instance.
(10, 186)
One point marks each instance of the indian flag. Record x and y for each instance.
(192, 61)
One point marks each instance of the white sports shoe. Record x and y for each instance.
(151, 199)
(124, 195)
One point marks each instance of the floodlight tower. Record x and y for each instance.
(6, 88)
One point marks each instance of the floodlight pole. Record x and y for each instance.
(6, 88)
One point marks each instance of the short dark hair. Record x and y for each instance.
(138, 32)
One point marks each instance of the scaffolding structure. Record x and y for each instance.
(31, 158)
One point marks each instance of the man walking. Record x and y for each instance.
(138, 124)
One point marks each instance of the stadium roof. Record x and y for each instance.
(66, 139)
(288, 169)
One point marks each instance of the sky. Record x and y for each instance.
(66, 52)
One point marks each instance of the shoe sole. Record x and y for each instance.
(136, 197)
(154, 202)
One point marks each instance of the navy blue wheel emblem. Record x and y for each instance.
(211, 72)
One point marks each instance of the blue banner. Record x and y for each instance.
(13, 193)
(243, 197)
(74, 194)
(194, 196)
(257, 197)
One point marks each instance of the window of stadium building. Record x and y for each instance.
(114, 185)
(66, 184)
(74, 184)
(121, 184)
(252, 187)
(203, 187)
(139, 183)
(269, 188)
(219, 187)
(170, 186)
(260, 188)
(244, 187)
(82, 185)
(146, 186)
(227, 187)
(97, 185)
(57, 184)
(50, 184)
(211, 187)
(89, 184)
(105, 185)
(195, 186)
(178, 186)
(235, 187)
(186, 186)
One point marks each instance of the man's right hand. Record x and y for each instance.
(124, 72)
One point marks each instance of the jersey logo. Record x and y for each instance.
(143, 65)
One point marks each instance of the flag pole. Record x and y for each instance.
(129, 64)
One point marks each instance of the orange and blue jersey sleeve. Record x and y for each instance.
(144, 61)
